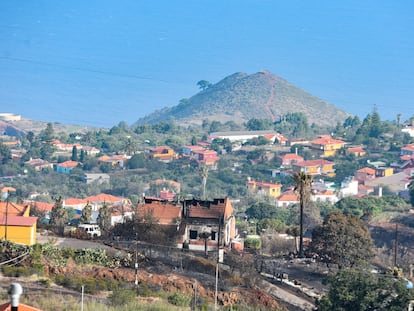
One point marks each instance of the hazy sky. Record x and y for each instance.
(99, 62)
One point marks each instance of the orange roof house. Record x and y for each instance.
(162, 153)
(356, 151)
(407, 150)
(364, 174)
(264, 188)
(66, 166)
(315, 167)
(117, 160)
(14, 209)
(289, 158)
(286, 199)
(16, 225)
(326, 145)
(205, 157)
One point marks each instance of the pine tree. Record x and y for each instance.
(58, 216)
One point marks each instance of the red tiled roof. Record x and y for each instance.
(22, 307)
(367, 170)
(314, 163)
(103, 197)
(69, 164)
(326, 140)
(12, 208)
(290, 156)
(18, 221)
(75, 201)
(211, 209)
(288, 197)
(43, 206)
(165, 213)
(409, 147)
(8, 189)
(264, 184)
(407, 157)
(356, 149)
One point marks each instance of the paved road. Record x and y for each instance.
(70, 242)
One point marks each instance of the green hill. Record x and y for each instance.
(240, 97)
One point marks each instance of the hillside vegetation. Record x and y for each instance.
(240, 97)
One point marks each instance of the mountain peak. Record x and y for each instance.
(240, 97)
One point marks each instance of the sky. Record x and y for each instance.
(99, 62)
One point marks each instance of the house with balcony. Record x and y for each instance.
(356, 151)
(264, 188)
(205, 158)
(326, 146)
(319, 167)
(288, 159)
(162, 153)
(116, 161)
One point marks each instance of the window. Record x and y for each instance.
(193, 235)
(213, 235)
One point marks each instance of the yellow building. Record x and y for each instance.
(16, 225)
(315, 167)
(264, 188)
(384, 171)
(327, 146)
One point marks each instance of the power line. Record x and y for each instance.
(104, 72)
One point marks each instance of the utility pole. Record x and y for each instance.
(7, 215)
(396, 245)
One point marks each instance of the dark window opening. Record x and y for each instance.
(193, 234)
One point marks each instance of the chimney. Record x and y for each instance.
(15, 291)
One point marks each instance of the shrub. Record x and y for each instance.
(120, 297)
(252, 243)
(179, 299)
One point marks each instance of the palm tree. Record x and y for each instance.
(302, 183)
(204, 176)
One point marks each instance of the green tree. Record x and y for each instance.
(48, 134)
(58, 216)
(261, 210)
(259, 124)
(104, 219)
(203, 84)
(343, 240)
(355, 290)
(302, 182)
(5, 153)
(411, 190)
(86, 216)
(74, 156)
